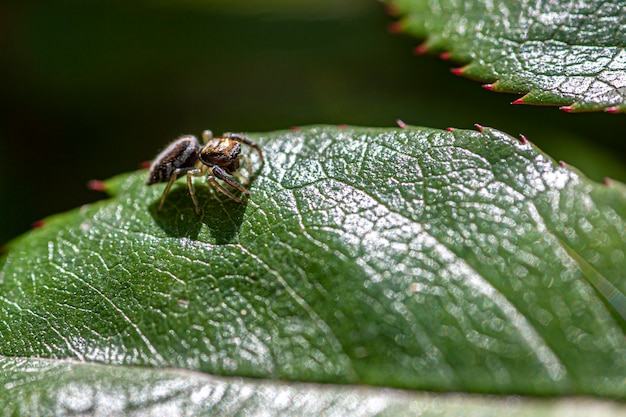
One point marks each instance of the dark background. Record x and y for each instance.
(91, 89)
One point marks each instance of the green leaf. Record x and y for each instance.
(559, 52)
(38, 386)
(409, 258)
(71, 388)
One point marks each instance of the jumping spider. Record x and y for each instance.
(217, 158)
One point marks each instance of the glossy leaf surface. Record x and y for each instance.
(409, 258)
(559, 52)
(43, 387)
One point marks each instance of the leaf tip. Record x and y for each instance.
(519, 101)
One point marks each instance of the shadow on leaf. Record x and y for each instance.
(221, 215)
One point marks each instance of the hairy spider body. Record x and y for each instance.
(222, 152)
(179, 155)
(217, 158)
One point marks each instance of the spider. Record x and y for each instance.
(217, 158)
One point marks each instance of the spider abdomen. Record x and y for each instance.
(182, 153)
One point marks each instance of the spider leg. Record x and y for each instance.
(207, 135)
(224, 191)
(242, 139)
(245, 180)
(217, 172)
(166, 191)
(190, 173)
(192, 189)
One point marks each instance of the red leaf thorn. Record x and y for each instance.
(96, 185)
(450, 129)
(614, 109)
(563, 163)
(394, 28)
(519, 101)
(420, 49)
(488, 87)
(295, 128)
(523, 139)
(607, 181)
(479, 127)
(566, 109)
(145, 164)
(401, 124)
(342, 126)
(457, 71)
(38, 224)
(445, 56)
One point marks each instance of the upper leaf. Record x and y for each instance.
(414, 258)
(559, 52)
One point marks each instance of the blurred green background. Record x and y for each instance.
(90, 89)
